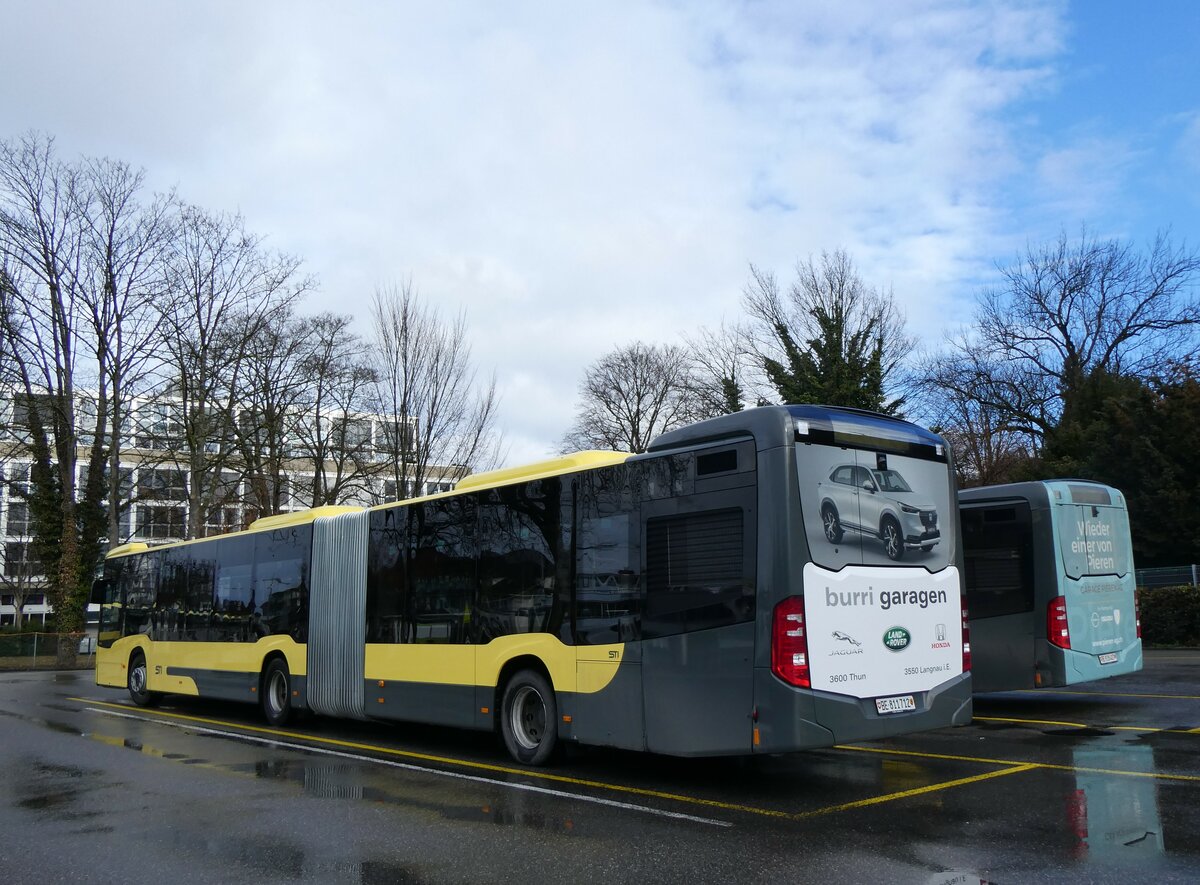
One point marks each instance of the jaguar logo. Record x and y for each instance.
(838, 634)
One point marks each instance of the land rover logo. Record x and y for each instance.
(896, 638)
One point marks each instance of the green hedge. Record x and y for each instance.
(1170, 615)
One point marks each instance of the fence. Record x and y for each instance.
(1173, 576)
(41, 651)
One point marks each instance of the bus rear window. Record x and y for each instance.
(1081, 494)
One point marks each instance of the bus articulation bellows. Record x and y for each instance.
(768, 581)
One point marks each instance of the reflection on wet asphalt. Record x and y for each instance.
(1099, 785)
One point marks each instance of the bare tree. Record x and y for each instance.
(987, 449)
(724, 371)
(630, 396)
(439, 419)
(224, 289)
(1067, 310)
(126, 245)
(21, 578)
(269, 394)
(340, 389)
(43, 206)
(831, 338)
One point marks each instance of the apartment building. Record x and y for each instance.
(155, 488)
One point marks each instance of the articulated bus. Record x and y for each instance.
(1050, 584)
(778, 579)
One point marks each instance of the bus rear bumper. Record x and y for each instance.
(790, 719)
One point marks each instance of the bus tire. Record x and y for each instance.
(892, 537)
(137, 681)
(276, 696)
(529, 718)
(832, 524)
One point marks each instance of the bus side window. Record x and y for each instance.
(696, 575)
(280, 594)
(386, 561)
(519, 540)
(140, 585)
(998, 553)
(608, 579)
(443, 573)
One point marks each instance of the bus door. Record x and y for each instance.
(1000, 580)
(698, 622)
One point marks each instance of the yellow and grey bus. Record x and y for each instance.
(1050, 584)
(782, 578)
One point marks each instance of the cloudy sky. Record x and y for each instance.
(576, 176)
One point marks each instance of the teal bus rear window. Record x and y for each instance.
(1081, 494)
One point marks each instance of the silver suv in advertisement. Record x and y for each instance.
(878, 503)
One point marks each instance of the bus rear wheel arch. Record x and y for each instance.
(275, 692)
(138, 681)
(529, 718)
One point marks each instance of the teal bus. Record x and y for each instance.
(764, 582)
(1050, 584)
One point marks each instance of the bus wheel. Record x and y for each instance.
(137, 681)
(833, 525)
(277, 693)
(893, 541)
(529, 718)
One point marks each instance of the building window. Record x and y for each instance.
(160, 426)
(222, 519)
(18, 518)
(161, 484)
(20, 561)
(156, 522)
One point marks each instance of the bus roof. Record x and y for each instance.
(541, 469)
(266, 523)
(773, 426)
(1042, 493)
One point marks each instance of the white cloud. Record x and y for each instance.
(574, 176)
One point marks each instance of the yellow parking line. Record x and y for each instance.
(579, 782)
(885, 751)
(1142, 729)
(1107, 694)
(918, 791)
(1029, 721)
(450, 760)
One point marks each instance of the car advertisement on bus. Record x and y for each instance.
(874, 508)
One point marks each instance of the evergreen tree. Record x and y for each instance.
(831, 339)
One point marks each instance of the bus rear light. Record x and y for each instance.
(1057, 630)
(789, 645)
(1137, 613)
(966, 638)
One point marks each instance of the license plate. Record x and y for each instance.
(900, 704)
(1109, 658)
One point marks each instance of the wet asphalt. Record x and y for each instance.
(1098, 784)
